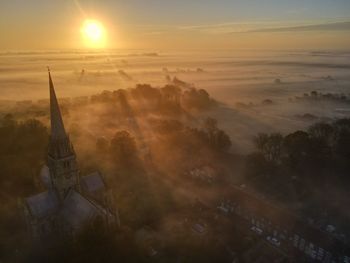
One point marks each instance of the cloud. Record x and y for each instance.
(262, 26)
(335, 26)
(225, 27)
(268, 26)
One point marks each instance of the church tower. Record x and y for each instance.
(61, 156)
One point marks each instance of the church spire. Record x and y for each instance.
(61, 159)
(59, 145)
(57, 126)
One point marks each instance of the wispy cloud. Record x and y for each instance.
(227, 27)
(269, 26)
(249, 27)
(336, 26)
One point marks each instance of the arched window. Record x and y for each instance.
(66, 164)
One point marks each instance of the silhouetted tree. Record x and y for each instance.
(146, 92)
(261, 140)
(222, 141)
(197, 99)
(322, 131)
(8, 121)
(210, 125)
(270, 145)
(123, 147)
(297, 147)
(217, 138)
(342, 140)
(167, 127)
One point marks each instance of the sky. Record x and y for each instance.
(180, 24)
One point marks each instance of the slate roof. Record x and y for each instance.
(284, 218)
(45, 176)
(77, 209)
(92, 182)
(43, 204)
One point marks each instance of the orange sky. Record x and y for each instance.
(236, 24)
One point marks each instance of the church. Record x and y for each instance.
(71, 201)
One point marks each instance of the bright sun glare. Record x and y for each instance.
(93, 33)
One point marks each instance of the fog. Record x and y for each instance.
(164, 156)
(239, 80)
(229, 76)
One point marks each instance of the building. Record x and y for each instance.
(294, 236)
(71, 201)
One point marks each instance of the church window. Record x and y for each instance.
(66, 164)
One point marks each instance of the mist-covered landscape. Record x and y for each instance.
(156, 124)
(180, 132)
(259, 89)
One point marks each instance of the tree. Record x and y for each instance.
(167, 127)
(270, 145)
(197, 99)
(222, 141)
(210, 125)
(217, 138)
(274, 147)
(322, 131)
(261, 140)
(342, 138)
(171, 92)
(146, 92)
(8, 121)
(297, 147)
(123, 147)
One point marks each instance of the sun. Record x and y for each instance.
(93, 33)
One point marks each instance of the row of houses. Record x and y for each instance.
(289, 232)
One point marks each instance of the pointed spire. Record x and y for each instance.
(57, 126)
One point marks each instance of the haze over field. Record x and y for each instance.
(231, 77)
(237, 74)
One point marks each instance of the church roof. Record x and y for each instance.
(78, 210)
(43, 204)
(92, 182)
(45, 176)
